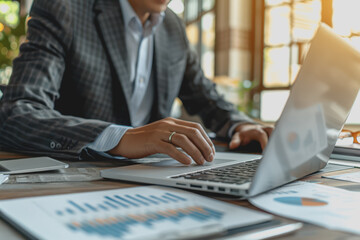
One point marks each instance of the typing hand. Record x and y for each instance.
(245, 133)
(164, 136)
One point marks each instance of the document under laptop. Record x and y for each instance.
(303, 139)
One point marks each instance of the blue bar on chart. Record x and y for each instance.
(109, 204)
(78, 207)
(158, 199)
(90, 207)
(116, 201)
(137, 200)
(69, 210)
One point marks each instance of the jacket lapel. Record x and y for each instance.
(161, 64)
(111, 26)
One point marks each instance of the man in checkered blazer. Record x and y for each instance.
(100, 76)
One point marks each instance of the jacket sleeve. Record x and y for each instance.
(28, 121)
(199, 96)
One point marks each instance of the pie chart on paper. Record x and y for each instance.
(301, 201)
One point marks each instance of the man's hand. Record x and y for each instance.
(245, 133)
(154, 138)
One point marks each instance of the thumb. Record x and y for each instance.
(235, 141)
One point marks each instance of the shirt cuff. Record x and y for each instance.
(109, 138)
(232, 129)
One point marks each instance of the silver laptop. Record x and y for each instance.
(303, 139)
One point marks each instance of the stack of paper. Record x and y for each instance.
(346, 152)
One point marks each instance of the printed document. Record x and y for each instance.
(129, 213)
(325, 206)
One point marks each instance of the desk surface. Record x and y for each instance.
(89, 180)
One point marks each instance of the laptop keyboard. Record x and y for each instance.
(239, 173)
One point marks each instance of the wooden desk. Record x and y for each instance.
(18, 190)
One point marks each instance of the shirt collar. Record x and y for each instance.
(132, 20)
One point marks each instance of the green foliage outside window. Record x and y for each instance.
(12, 34)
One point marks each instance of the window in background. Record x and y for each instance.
(287, 28)
(199, 18)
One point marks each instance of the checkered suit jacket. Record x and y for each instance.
(71, 79)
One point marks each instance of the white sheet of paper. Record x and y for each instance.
(333, 168)
(3, 178)
(129, 213)
(350, 177)
(345, 163)
(325, 206)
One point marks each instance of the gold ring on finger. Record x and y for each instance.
(170, 137)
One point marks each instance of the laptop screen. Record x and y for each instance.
(319, 103)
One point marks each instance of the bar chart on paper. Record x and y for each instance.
(119, 225)
(133, 213)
